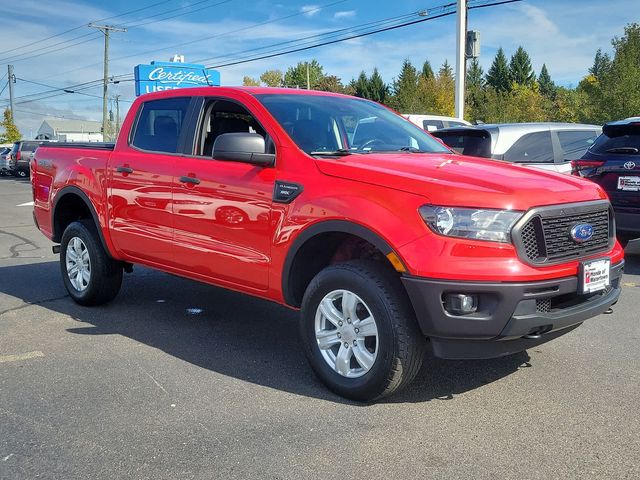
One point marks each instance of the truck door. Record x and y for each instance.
(141, 179)
(222, 209)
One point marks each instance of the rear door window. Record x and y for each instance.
(531, 148)
(574, 143)
(160, 124)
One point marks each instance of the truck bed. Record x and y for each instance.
(84, 145)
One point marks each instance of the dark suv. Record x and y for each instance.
(613, 162)
(20, 156)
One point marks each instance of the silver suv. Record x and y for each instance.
(549, 146)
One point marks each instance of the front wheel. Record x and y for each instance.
(359, 331)
(90, 275)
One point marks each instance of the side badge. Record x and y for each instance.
(286, 192)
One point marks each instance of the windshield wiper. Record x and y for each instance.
(410, 149)
(623, 150)
(340, 152)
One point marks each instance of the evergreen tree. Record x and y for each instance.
(520, 68)
(475, 75)
(272, 78)
(405, 89)
(547, 87)
(498, 76)
(601, 64)
(445, 70)
(427, 71)
(378, 90)
(11, 133)
(361, 85)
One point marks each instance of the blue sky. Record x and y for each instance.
(564, 34)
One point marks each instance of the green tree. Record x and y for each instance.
(498, 76)
(250, 82)
(427, 71)
(378, 90)
(297, 76)
(547, 87)
(475, 75)
(361, 85)
(520, 68)
(446, 70)
(331, 83)
(601, 64)
(11, 133)
(272, 78)
(620, 83)
(405, 90)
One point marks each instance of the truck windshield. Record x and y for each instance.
(326, 125)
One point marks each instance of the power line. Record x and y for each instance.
(144, 22)
(84, 25)
(229, 32)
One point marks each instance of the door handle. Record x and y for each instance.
(193, 180)
(124, 170)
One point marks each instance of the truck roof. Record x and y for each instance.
(250, 90)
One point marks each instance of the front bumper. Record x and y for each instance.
(628, 221)
(511, 317)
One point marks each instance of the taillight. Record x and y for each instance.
(579, 166)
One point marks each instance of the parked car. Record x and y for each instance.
(613, 162)
(549, 146)
(21, 155)
(431, 123)
(334, 205)
(4, 160)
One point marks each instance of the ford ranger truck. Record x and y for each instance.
(382, 237)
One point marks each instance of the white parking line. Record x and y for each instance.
(27, 204)
(21, 356)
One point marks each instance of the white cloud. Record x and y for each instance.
(344, 14)
(309, 10)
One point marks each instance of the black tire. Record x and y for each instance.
(401, 345)
(21, 174)
(105, 273)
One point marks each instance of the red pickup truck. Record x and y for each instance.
(382, 236)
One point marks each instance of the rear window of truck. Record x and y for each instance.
(160, 123)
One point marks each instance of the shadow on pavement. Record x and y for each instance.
(229, 333)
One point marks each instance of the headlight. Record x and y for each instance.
(478, 224)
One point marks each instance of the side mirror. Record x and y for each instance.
(242, 147)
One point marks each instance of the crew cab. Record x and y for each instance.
(382, 237)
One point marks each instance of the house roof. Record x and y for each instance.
(72, 126)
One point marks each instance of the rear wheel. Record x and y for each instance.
(21, 173)
(90, 275)
(359, 331)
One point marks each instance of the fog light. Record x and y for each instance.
(461, 303)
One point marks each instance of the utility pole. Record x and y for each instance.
(106, 30)
(117, 98)
(461, 60)
(11, 78)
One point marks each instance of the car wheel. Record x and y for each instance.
(21, 173)
(90, 275)
(359, 330)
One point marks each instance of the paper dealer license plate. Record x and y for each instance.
(595, 275)
(631, 184)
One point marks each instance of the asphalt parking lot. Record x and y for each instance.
(177, 380)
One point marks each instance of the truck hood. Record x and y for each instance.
(455, 180)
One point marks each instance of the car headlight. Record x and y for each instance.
(477, 224)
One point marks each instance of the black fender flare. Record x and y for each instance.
(327, 226)
(72, 190)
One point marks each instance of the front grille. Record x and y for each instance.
(545, 237)
(543, 305)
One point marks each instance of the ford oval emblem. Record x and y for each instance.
(629, 165)
(582, 232)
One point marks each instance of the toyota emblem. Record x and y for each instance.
(630, 165)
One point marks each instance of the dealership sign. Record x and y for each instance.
(159, 76)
